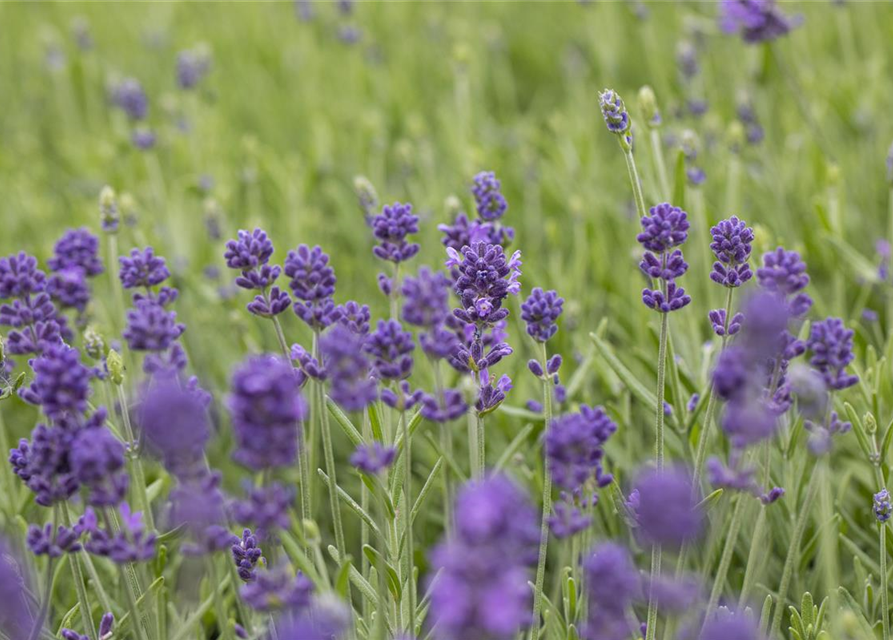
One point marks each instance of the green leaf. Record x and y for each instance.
(426, 489)
(344, 422)
(142, 606)
(707, 504)
(343, 577)
(860, 265)
(765, 613)
(888, 436)
(626, 376)
(570, 590)
(378, 560)
(857, 610)
(859, 429)
(513, 446)
(375, 422)
(519, 412)
(680, 180)
(352, 504)
(154, 490)
(298, 557)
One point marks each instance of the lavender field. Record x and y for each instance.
(356, 320)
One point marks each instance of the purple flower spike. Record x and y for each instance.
(755, 20)
(192, 66)
(673, 300)
(68, 287)
(200, 507)
(312, 284)
(250, 254)
(668, 267)
(267, 508)
(128, 95)
(485, 279)
(390, 228)
(390, 348)
(150, 327)
(355, 317)
(665, 228)
(47, 542)
(267, 408)
(246, 555)
(613, 586)
(831, 344)
(574, 447)
(77, 248)
(882, 507)
(61, 383)
(731, 626)
(278, 591)
(352, 386)
(142, 269)
(373, 458)
(490, 203)
(97, 461)
(426, 298)
(541, 311)
(614, 112)
(131, 543)
(663, 507)
(783, 272)
(174, 422)
(567, 520)
(731, 245)
(718, 321)
(447, 409)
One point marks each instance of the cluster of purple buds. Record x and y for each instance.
(28, 308)
(490, 205)
(200, 507)
(192, 66)
(250, 254)
(755, 20)
(129, 96)
(53, 543)
(569, 515)
(721, 326)
(663, 507)
(76, 258)
(574, 447)
(484, 566)
(267, 508)
(662, 231)
(821, 435)
(267, 410)
(130, 543)
(540, 311)
(784, 273)
(277, 591)
(881, 506)
(831, 346)
(355, 317)
(391, 228)
(616, 116)
(390, 349)
(488, 198)
(732, 240)
(613, 585)
(97, 461)
(246, 555)
(352, 386)
(106, 623)
(373, 458)
(312, 284)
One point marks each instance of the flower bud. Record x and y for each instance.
(870, 423)
(311, 531)
(736, 136)
(648, 107)
(115, 366)
(367, 197)
(108, 210)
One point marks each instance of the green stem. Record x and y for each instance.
(756, 551)
(280, 336)
(446, 443)
(725, 561)
(885, 603)
(890, 240)
(481, 446)
(651, 621)
(547, 508)
(139, 475)
(793, 553)
(659, 164)
(407, 508)
(634, 180)
(136, 620)
(79, 585)
(220, 609)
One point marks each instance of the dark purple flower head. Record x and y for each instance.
(390, 228)
(61, 383)
(174, 423)
(128, 95)
(43, 464)
(717, 319)
(267, 508)
(666, 227)
(488, 198)
(663, 507)
(541, 311)
(783, 272)
(821, 435)
(143, 138)
(355, 317)
(192, 66)
(246, 555)
(574, 447)
(352, 385)
(485, 279)
(77, 248)
(390, 349)
(440, 343)
(881, 505)
(726, 625)
(130, 543)
(68, 287)
(469, 232)
(666, 267)
(15, 607)
(755, 20)
(97, 461)
(312, 284)
(447, 408)
(266, 408)
(250, 253)
(402, 397)
(614, 112)
(567, 520)
(20, 277)
(731, 245)
(373, 458)
(278, 591)
(613, 585)
(200, 506)
(491, 394)
(831, 345)
(47, 542)
(274, 303)
(426, 298)
(151, 327)
(674, 299)
(731, 478)
(142, 269)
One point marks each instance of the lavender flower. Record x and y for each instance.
(663, 507)
(614, 112)
(267, 409)
(783, 272)
(142, 269)
(352, 388)
(488, 198)
(68, 287)
(250, 254)
(192, 66)
(312, 284)
(485, 279)
(277, 590)
(97, 461)
(665, 228)
(128, 95)
(443, 409)
(52, 543)
(755, 20)
(174, 423)
(574, 447)
(31, 312)
(831, 344)
(131, 543)
(108, 210)
(567, 520)
(15, 608)
(731, 626)
(317, 623)
(613, 586)
(491, 394)
(717, 319)
(731, 245)
(390, 348)
(143, 138)
(246, 555)
(426, 298)
(882, 507)
(77, 248)
(61, 383)
(541, 311)
(200, 507)
(266, 508)
(151, 327)
(43, 464)
(355, 317)
(373, 458)
(390, 228)
(674, 299)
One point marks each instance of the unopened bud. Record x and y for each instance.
(648, 107)
(108, 210)
(736, 136)
(94, 343)
(367, 197)
(115, 365)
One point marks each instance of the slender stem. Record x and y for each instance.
(79, 585)
(220, 609)
(47, 598)
(890, 240)
(394, 298)
(756, 550)
(659, 164)
(481, 449)
(634, 180)
(113, 280)
(651, 622)
(547, 508)
(407, 507)
(793, 553)
(725, 561)
(446, 443)
(885, 603)
(139, 475)
(135, 619)
(280, 336)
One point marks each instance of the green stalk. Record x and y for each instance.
(220, 609)
(136, 620)
(651, 621)
(659, 164)
(139, 475)
(446, 443)
(79, 585)
(634, 179)
(726, 560)
(407, 508)
(793, 553)
(481, 445)
(885, 603)
(547, 508)
(890, 240)
(756, 545)
(47, 599)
